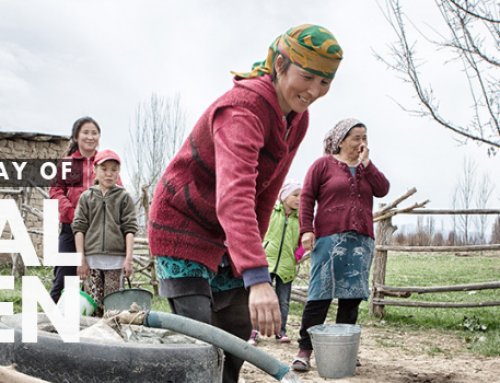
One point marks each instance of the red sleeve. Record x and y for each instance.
(308, 197)
(377, 180)
(66, 209)
(238, 137)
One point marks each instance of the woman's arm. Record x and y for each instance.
(238, 139)
(66, 209)
(308, 197)
(376, 179)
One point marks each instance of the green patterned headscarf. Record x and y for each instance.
(311, 47)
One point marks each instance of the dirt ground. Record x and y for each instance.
(390, 356)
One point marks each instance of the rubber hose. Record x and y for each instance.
(218, 338)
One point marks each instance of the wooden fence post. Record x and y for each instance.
(383, 236)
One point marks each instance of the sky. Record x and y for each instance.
(62, 59)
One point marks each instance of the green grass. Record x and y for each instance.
(479, 327)
(45, 274)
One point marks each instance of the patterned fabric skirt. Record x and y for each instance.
(173, 268)
(340, 267)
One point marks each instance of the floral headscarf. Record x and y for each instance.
(311, 47)
(337, 134)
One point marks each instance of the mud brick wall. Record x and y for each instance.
(30, 145)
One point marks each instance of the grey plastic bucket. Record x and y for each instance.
(335, 348)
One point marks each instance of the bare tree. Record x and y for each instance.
(430, 229)
(471, 38)
(156, 136)
(464, 198)
(495, 232)
(452, 236)
(484, 191)
(438, 239)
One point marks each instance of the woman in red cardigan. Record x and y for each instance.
(212, 206)
(341, 185)
(85, 136)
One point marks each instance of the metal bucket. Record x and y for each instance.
(123, 298)
(335, 349)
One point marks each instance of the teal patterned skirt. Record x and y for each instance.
(340, 267)
(172, 268)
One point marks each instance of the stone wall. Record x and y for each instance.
(29, 145)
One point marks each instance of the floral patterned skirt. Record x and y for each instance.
(340, 267)
(173, 268)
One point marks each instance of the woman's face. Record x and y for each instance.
(88, 138)
(298, 88)
(351, 145)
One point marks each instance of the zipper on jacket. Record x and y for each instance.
(88, 172)
(281, 244)
(104, 224)
(287, 127)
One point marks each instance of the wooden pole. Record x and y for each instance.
(394, 203)
(383, 235)
(452, 211)
(440, 249)
(385, 302)
(437, 289)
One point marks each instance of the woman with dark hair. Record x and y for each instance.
(341, 184)
(82, 148)
(211, 208)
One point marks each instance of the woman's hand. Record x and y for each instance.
(264, 309)
(364, 155)
(308, 241)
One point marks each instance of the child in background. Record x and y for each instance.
(281, 243)
(104, 226)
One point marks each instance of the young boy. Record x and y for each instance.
(104, 226)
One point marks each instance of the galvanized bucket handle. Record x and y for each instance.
(122, 277)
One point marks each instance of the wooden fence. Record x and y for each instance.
(384, 232)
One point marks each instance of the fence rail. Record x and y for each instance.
(384, 233)
(435, 249)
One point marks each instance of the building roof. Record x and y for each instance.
(32, 136)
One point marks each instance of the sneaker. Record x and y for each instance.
(254, 336)
(283, 338)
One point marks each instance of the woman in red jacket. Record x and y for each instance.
(342, 185)
(82, 148)
(212, 206)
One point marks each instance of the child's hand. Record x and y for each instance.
(83, 271)
(128, 267)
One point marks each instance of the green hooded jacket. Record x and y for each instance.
(280, 243)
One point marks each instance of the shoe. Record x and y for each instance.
(254, 336)
(301, 362)
(283, 338)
